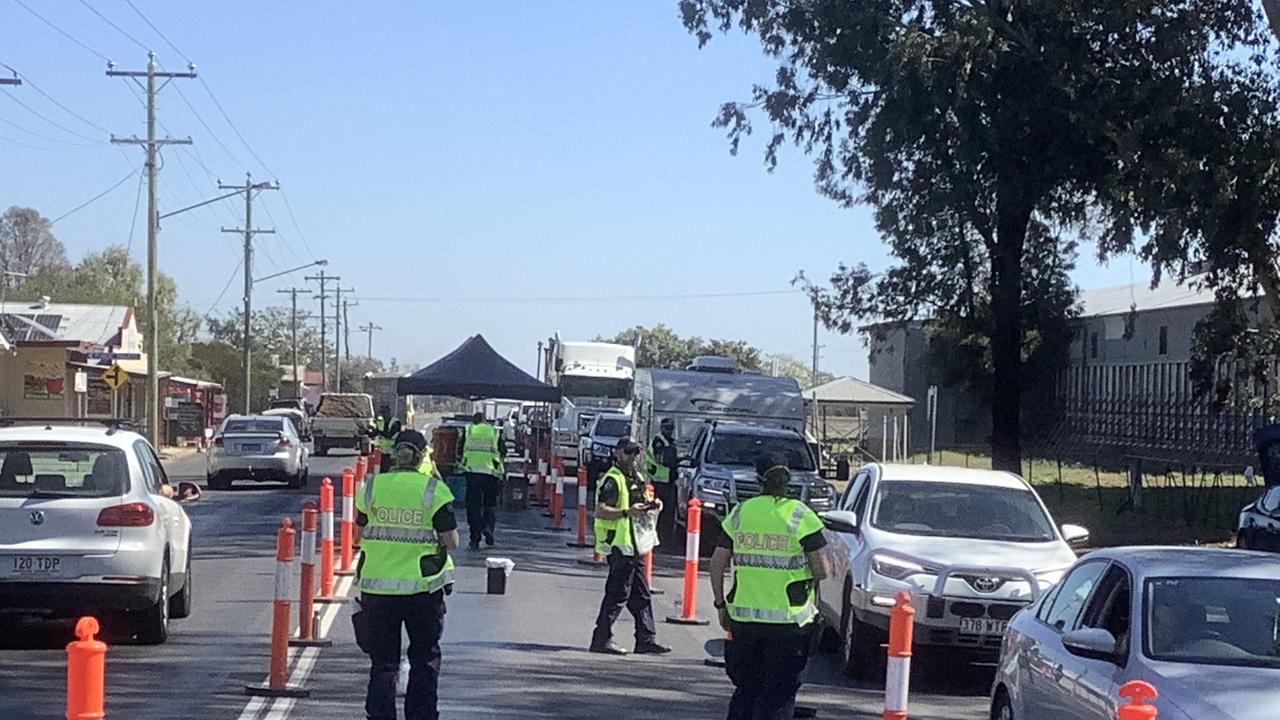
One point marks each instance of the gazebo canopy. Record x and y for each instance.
(475, 370)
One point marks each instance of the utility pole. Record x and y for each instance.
(337, 334)
(346, 329)
(249, 189)
(151, 145)
(369, 330)
(323, 279)
(814, 378)
(15, 80)
(293, 330)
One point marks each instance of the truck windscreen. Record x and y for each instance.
(578, 386)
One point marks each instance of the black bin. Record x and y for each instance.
(497, 581)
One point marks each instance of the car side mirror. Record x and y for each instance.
(841, 521)
(1075, 535)
(686, 462)
(187, 492)
(1092, 643)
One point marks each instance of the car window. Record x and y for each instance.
(947, 509)
(743, 449)
(62, 470)
(1110, 607)
(151, 472)
(254, 425)
(612, 427)
(1072, 594)
(699, 441)
(856, 485)
(1213, 621)
(859, 506)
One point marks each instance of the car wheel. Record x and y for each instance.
(1001, 706)
(297, 480)
(861, 659)
(180, 605)
(151, 626)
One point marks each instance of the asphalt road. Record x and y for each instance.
(521, 654)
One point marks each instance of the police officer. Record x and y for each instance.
(385, 429)
(404, 573)
(775, 544)
(660, 463)
(620, 504)
(483, 469)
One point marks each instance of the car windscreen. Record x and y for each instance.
(262, 425)
(1213, 621)
(577, 386)
(62, 470)
(962, 510)
(613, 428)
(745, 448)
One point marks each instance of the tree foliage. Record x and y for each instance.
(982, 132)
(661, 347)
(221, 362)
(790, 366)
(28, 246)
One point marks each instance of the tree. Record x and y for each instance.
(789, 366)
(27, 245)
(221, 362)
(972, 127)
(272, 334)
(660, 347)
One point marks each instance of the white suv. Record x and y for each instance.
(973, 547)
(87, 526)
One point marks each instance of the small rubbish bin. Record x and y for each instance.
(515, 492)
(499, 569)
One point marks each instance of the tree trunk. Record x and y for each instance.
(1272, 9)
(1013, 215)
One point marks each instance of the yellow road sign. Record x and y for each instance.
(114, 376)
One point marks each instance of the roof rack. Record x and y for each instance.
(112, 424)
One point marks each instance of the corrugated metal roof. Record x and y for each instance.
(66, 322)
(1123, 298)
(856, 392)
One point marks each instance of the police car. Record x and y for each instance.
(88, 525)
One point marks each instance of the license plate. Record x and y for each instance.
(255, 447)
(982, 626)
(35, 566)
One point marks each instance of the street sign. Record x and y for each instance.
(82, 381)
(112, 357)
(114, 377)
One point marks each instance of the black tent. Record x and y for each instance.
(476, 370)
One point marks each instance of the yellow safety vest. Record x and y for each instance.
(400, 549)
(615, 533)
(768, 557)
(480, 450)
(653, 465)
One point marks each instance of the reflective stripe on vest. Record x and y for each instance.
(401, 535)
(768, 558)
(621, 528)
(407, 587)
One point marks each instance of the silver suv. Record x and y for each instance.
(87, 524)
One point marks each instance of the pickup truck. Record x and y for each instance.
(342, 420)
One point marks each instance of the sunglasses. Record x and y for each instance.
(631, 451)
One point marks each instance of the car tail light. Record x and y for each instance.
(283, 442)
(217, 442)
(135, 514)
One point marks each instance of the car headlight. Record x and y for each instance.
(600, 450)
(896, 569)
(822, 490)
(713, 484)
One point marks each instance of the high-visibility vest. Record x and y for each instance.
(615, 533)
(400, 549)
(654, 466)
(428, 466)
(386, 443)
(480, 450)
(768, 557)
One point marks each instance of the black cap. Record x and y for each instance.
(412, 437)
(627, 444)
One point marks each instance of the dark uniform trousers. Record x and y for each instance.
(625, 587)
(764, 662)
(482, 505)
(422, 616)
(666, 492)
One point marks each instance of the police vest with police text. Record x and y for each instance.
(401, 550)
(480, 450)
(768, 557)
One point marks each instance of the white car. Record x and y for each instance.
(973, 547)
(87, 526)
(256, 447)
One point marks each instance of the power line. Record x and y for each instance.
(61, 32)
(225, 288)
(69, 131)
(95, 198)
(294, 219)
(26, 80)
(114, 26)
(133, 224)
(233, 127)
(208, 129)
(26, 145)
(598, 298)
(157, 31)
(42, 136)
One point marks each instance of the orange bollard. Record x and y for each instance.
(278, 676)
(688, 609)
(1138, 693)
(86, 673)
(307, 590)
(326, 544)
(348, 525)
(542, 479)
(582, 510)
(362, 474)
(898, 671)
(375, 464)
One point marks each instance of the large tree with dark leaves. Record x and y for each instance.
(967, 125)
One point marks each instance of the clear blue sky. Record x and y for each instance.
(444, 150)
